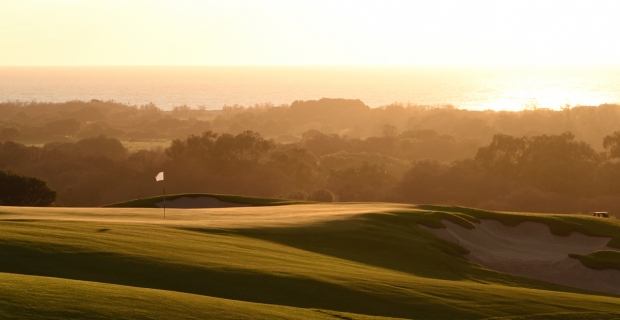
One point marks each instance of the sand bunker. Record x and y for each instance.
(530, 250)
(199, 202)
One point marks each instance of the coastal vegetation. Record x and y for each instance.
(20, 190)
(101, 152)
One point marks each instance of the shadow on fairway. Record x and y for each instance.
(230, 284)
(393, 241)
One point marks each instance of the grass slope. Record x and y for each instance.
(53, 298)
(600, 260)
(377, 262)
(565, 316)
(253, 201)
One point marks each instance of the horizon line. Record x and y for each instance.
(325, 65)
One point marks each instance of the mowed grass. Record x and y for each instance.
(34, 297)
(137, 145)
(600, 260)
(377, 262)
(151, 202)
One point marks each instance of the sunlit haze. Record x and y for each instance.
(317, 159)
(272, 32)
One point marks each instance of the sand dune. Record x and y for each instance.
(530, 250)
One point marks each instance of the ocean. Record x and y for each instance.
(494, 88)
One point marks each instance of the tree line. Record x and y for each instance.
(439, 132)
(548, 172)
(536, 159)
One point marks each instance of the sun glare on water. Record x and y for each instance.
(446, 35)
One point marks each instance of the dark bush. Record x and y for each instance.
(20, 190)
(101, 146)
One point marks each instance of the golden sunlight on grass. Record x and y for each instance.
(370, 259)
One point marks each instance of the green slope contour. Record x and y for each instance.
(151, 202)
(600, 260)
(565, 316)
(378, 262)
(33, 297)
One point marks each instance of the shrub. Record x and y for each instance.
(19, 190)
(101, 146)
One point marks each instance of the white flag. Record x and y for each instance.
(160, 176)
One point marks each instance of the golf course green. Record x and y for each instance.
(279, 260)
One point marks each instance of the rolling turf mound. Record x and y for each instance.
(332, 261)
(202, 200)
(63, 299)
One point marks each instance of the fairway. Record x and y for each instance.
(297, 261)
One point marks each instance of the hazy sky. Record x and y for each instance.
(288, 32)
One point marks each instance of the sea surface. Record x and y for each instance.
(214, 87)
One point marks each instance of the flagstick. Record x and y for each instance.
(164, 198)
